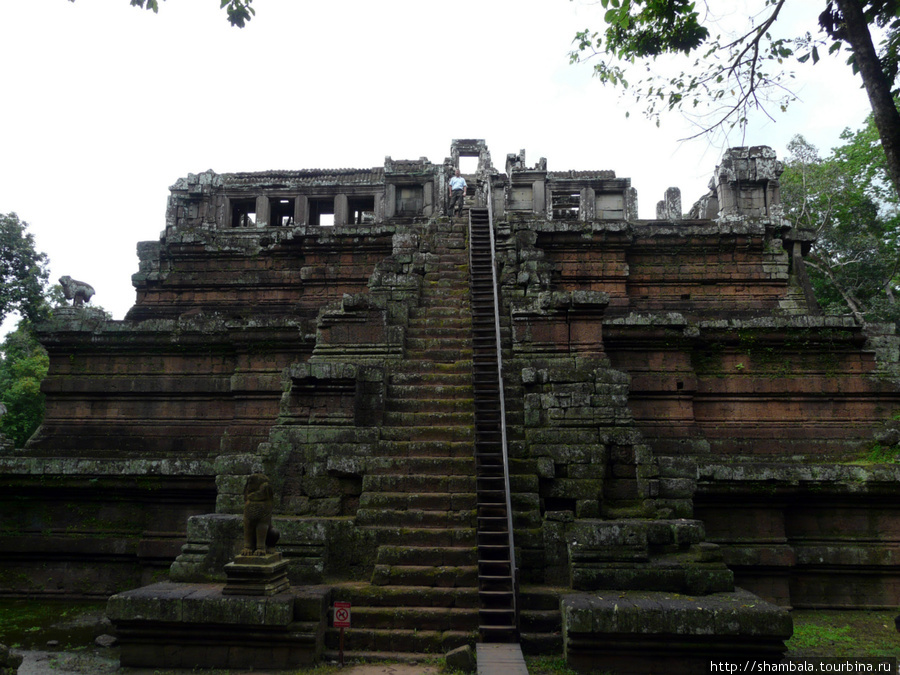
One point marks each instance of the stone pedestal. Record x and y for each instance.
(651, 633)
(256, 575)
(174, 625)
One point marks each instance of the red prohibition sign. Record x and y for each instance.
(342, 615)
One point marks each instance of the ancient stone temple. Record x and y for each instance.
(545, 422)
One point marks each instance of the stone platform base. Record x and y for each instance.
(646, 633)
(173, 625)
(251, 575)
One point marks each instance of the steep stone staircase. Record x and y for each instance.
(419, 497)
(496, 563)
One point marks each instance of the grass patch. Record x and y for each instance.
(30, 623)
(881, 455)
(844, 633)
(548, 665)
(323, 669)
(436, 665)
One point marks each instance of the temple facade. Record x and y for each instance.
(543, 400)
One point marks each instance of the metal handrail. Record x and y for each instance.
(509, 513)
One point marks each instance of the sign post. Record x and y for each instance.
(342, 621)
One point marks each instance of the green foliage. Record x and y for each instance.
(30, 623)
(849, 202)
(23, 270)
(23, 364)
(843, 633)
(722, 76)
(548, 665)
(239, 11)
(881, 455)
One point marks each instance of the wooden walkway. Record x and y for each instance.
(500, 659)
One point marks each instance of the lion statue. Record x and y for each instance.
(259, 535)
(77, 291)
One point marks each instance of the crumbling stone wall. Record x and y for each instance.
(90, 527)
(728, 356)
(720, 385)
(196, 366)
(809, 536)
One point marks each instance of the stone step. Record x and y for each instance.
(429, 433)
(423, 618)
(419, 466)
(423, 536)
(440, 315)
(333, 655)
(445, 225)
(403, 449)
(424, 404)
(417, 371)
(444, 297)
(455, 281)
(438, 355)
(438, 283)
(415, 518)
(457, 297)
(464, 576)
(432, 501)
(446, 259)
(442, 302)
(429, 379)
(540, 626)
(447, 277)
(364, 594)
(451, 245)
(423, 555)
(459, 233)
(447, 229)
(541, 643)
(540, 621)
(457, 274)
(429, 419)
(431, 343)
(439, 328)
(448, 262)
(667, 574)
(366, 641)
(431, 392)
(414, 365)
(418, 483)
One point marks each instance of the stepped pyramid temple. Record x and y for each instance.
(544, 422)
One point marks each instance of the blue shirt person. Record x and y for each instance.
(457, 193)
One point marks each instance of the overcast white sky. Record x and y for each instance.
(103, 106)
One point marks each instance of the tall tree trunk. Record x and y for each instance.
(887, 119)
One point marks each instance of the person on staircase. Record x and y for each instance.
(457, 193)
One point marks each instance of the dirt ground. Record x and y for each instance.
(389, 669)
(106, 662)
(67, 647)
